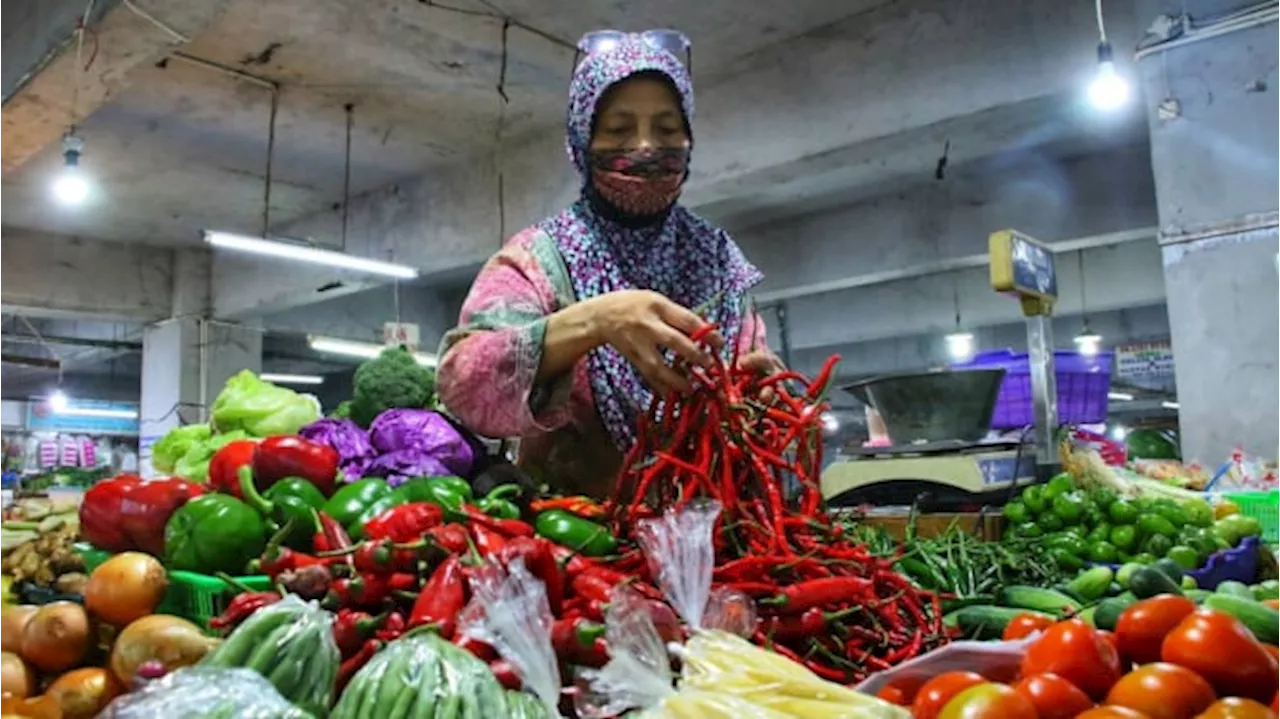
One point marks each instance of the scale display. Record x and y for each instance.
(1022, 265)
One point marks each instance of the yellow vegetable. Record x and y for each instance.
(1225, 508)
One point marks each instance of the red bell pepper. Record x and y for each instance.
(129, 513)
(224, 468)
(405, 523)
(284, 456)
(442, 598)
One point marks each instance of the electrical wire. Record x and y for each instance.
(1191, 32)
(346, 176)
(1102, 27)
(168, 30)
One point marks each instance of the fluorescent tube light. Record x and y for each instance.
(364, 350)
(302, 253)
(1170, 405)
(291, 378)
(96, 412)
(1122, 396)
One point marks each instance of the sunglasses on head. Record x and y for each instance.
(672, 41)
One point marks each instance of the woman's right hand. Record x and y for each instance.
(639, 323)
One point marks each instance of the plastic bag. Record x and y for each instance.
(205, 693)
(985, 658)
(291, 644)
(509, 612)
(260, 408)
(421, 674)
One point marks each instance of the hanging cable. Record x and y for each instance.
(499, 126)
(346, 177)
(1084, 312)
(1102, 27)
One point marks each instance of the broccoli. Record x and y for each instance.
(391, 380)
(342, 411)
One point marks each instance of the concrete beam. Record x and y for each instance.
(52, 275)
(45, 75)
(763, 122)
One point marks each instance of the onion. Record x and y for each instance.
(57, 637)
(83, 693)
(16, 678)
(41, 707)
(172, 641)
(124, 588)
(13, 620)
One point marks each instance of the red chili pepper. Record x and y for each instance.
(351, 628)
(819, 592)
(478, 649)
(392, 628)
(452, 538)
(507, 527)
(224, 467)
(277, 559)
(129, 513)
(240, 607)
(332, 537)
(284, 456)
(573, 639)
(442, 598)
(488, 541)
(541, 563)
(581, 506)
(506, 674)
(592, 586)
(352, 664)
(404, 523)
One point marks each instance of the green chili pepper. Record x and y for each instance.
(497, 504)
(441, 491)
(572, 531)
(352, 500)
(457, 484)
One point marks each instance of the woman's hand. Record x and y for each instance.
(639, 323)
(763, 363)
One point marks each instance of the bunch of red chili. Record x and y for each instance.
(754, 443)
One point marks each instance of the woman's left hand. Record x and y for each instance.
(762, 362)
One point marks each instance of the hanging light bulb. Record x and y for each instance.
(1088, 342)
(71, 187)
(960, 345)
(1109, 90)
(58, 401)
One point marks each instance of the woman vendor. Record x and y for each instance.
(569, 328)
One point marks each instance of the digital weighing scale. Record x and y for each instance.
(942, 476)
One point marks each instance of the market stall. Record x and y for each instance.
(381, 563)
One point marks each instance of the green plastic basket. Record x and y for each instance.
(196, 597)
(1262, 506)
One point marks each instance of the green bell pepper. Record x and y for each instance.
(443, 492)
(351, 501)
(497, 503)
(581, 535)
(292, 498)
(213, 533)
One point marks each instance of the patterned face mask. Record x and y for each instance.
(640, 182)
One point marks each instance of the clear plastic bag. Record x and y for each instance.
(290, 643)
(205, 693)
(509, 611)
(985, 658)
(421, 674)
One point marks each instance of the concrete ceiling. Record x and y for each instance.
(183, 147)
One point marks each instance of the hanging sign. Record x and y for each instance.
(395, 334)
(85, 417)
(1022, 265)
(1145, 364)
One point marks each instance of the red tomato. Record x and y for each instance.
(939, 690)
(893, 695)
(1026, 624)
(1143, 626)
(989, 701)
(1074, 651)
(1112, 713)
(1275, 703)
(1053, 696)
(1273, 650)
(1162, 691)
(1113, 640)
(1237, 708)
(1220, 649)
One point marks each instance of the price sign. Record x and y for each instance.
(395, 334)
(1022, 265)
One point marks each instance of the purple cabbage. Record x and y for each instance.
(398, 467)
(422, 434)
(351, 442)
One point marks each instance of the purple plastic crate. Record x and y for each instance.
(1083, 383)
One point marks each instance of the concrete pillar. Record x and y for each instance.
(1212, 111)
(188, 358)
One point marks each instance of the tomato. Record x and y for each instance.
(1273, 650)
(1275, 703)
(989, 701)
(1111, 639)
(1220, 649)
(1142, 627)
(1025, 625)
(1074, 651)
(1052, 696)
(1237, 708)
(893, 695)
(939, 690)
(1162, 691)
(1112, 713)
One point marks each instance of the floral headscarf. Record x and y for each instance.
(683, 257)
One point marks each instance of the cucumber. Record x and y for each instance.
(1170, 568)
(950, 605)
(1235, 589)
(1108, 611)
(1114, 588)
(1047, 601)
(1087, 615)
(985, 621)
(1198, 595)
(1092, 583)
(1269, 589)
(1125, 572)
(1263, 621)
(1150, 581)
